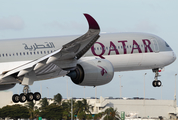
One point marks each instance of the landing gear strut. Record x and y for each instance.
(26, 95)
(156, 82)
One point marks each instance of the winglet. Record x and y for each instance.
(91, 22)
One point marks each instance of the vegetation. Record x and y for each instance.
(108, 114)
(14, 112)
(33, 110)
(57, 111)
(58, 99)
(43, 103)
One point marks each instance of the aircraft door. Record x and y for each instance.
(155, 45)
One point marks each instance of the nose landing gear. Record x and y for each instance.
(26, 95)
(156, 82)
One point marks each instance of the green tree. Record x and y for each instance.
(98, 116)
(52, 111)
(0, 113)
(111, 114)
(58, 99)
(66, 105)
(33, 110)
(43, 103)
(15, 112)
(89, 117)
(82, 107)
(81, 115)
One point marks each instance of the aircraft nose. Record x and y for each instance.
(174, 56)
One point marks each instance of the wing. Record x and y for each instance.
(61, 58)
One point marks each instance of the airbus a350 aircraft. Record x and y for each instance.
(85, 61)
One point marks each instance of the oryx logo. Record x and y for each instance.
(103, 71)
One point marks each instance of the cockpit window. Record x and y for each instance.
(166, 44)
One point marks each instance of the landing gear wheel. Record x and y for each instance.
(30, 96)
(158, 83)
(37, 96)
(154, 83)
(15, 98)
(23, 97)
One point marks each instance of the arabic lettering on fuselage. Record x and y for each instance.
(39, 46)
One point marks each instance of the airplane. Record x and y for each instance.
(89, 60)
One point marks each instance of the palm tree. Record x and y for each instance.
(32, 109)
(58, 99)
(82, 107)
(98, 116)
(86, 106)
(66, 105)
(43, 103)
(111, 114)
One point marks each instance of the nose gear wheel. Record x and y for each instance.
(156, 82)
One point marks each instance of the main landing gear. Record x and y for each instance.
(26, 95)
(156, 82)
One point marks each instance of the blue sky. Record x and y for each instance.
(32, 18)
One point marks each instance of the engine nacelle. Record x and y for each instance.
(92, 72)
(6, 86)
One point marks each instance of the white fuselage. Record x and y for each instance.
(126, 51)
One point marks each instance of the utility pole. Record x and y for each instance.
(71, 109)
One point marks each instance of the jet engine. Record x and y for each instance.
(92, 72)
(6, 86)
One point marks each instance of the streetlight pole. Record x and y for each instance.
(71, 109)
(120, 86)
(175, 87)
(161, 92)
(175, 100)
(144, 85)
(48, 91)
(84, 92)
(144, 96)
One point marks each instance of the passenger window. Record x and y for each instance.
(6, 54)
(23, 53)
(17, 54)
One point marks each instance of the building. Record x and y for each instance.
(136, 108)
(6, 98)
(133, 108)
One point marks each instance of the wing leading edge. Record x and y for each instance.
(71, 51)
